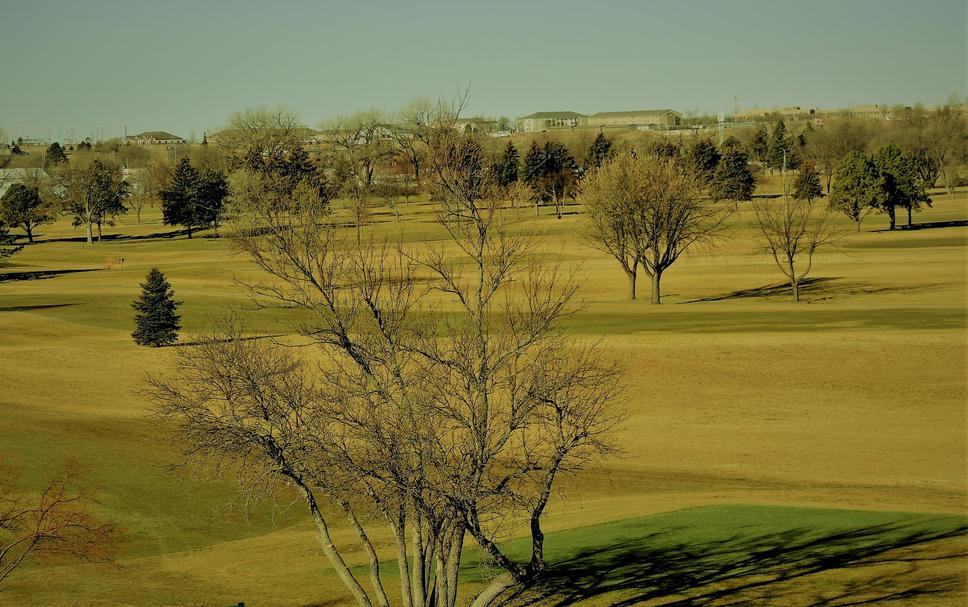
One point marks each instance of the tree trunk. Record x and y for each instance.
(656, 292)
(796, 290)
(892, 215)
(910, 209)
(632, 278)
(497, 586)
(30, 234)
(189, 231)
(453, 566)
(90, 234)
(403, 563)
(417, 581)
(335, 559)
(99, 231)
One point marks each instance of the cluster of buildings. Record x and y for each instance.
(866, 112)
(154, 138)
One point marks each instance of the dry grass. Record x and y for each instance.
(854, 399)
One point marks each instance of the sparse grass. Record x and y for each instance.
(851, 400)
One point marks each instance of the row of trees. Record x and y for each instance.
(884, 181)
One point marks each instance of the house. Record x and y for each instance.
(154, 138)
(476, 125)
(636, 119)
(540, 121)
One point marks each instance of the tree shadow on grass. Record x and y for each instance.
(807, 286)
(39, 274)
(35, 307)
(816, 289)
(131, 237)
(756, 570)
(188, 344)
(927, 225)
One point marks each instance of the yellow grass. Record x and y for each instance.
(853, 399)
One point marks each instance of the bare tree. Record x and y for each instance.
(57, 522)
(792, 232)
(947, 139)
(262, 135)
(647, 211)
(614, 211)
(437, 426)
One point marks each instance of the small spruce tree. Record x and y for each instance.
(55, 154)
(807, 186)
(507, 168)
(600, 151)
(156, 323)
(733, 179)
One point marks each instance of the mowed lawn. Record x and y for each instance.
(768, 452)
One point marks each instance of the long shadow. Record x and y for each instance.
(127, 237)
(36, 307)
(935, 224)
(188, 344)
(747, 570)
(807, 286)
(39, 274)
(818, 289)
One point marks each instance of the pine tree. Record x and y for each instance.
(600, 151)
(759, 144)
(210, 194)
(156, 323)
(179, 199)
(733, 179)
(704, 158)
(778, 146)
(55, 154)
(507, 168)
(533, 169)
(807, 186)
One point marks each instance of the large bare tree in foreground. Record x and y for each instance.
(445, 402)
(647, 211)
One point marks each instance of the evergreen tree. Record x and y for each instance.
(807, 186)
(600, 151)
(778, 146)
(730, 143)
(704, 158)
(179, 201)
(210, 193)
(665, 149)
(55, 154)
(156, 323)
(759, 144)
(507, 168)
(560, 178)
(733, 179)
(22, 206)
(533, 169)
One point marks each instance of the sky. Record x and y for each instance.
(99, 66)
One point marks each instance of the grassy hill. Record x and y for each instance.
(851, 402)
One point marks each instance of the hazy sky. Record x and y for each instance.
(184, 66)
